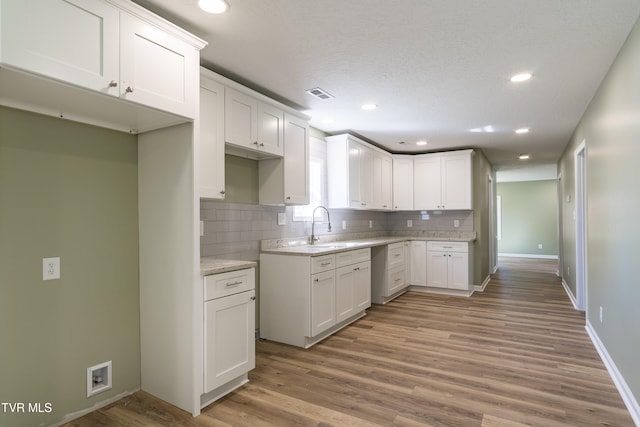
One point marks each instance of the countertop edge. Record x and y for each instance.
(209, 265)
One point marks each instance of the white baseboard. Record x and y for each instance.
(480, 288)
(626, 394)
(74, 415)
(528, 256)
(571, 297)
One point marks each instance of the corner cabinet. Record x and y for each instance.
(211, 156)
(112, 48)
(304, 299)
(443, 181)
(402, 183)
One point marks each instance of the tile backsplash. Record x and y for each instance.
(234, 230)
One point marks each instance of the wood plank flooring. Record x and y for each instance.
(514, 355)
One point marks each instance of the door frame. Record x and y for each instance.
(580, 216)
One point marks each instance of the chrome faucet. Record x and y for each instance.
(313, 237)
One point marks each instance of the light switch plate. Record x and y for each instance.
(282, 218)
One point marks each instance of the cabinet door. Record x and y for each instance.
(362, 286)
(387, 183)
(427, 183)
(418, 263)
(354, 175)
(296, 160)
(229, 338)
(402, 184)
(270, 129)
(366, 178)
(157, 69)
(345, 297)
(75, 41)
(211, 139)
(323, 301)
(240, 119)
(458, 270)
(437, 269)
(456, 185)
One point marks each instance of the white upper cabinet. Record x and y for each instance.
(402, 183)
(76, 41)
(285, 180)
(211, 120)
(253, 124)
(114, 48)
(443, 181)
(359, 176)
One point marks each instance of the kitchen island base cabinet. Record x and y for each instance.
(304, 299)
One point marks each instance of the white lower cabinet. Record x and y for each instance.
(229, 329)
(304, 299)
(448, 265)
(418, 263)
(389, 272)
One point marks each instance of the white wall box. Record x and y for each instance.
(389, 271)
(253, 125)
(305, 299)
(285, 180)
(443, 181)
(355, 173)
(229, 331)
(106, 51)
(402, 182)
(448, 266)
(211, 119)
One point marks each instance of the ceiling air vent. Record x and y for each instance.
(319, 93)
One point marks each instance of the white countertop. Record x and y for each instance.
(210, 265)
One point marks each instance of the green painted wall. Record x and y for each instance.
(67, 190)
(611, 131)
(241, 180)
(529, 217)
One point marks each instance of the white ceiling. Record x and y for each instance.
(435, 68)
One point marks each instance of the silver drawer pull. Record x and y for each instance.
(324, 264)
(396, 255)
(230, 284)
(252, 299)
(397, 280)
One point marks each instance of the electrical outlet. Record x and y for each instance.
(282, 218)
(370, 224)
(456, 223)
(50, 268)
(409, 223)
(344, 224)
(539, 245)
(600, 314)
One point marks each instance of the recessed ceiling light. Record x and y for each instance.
(421, 143)
(522, 77)
(523, 130)
(213, 6)
(524, 157)
(369, 106)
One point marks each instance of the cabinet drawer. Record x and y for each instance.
(322, 263)
(448, 246)
(229, 283)
(397, 280)
(352, 257)
(396, 256)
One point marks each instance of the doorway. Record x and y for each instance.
(581, 224)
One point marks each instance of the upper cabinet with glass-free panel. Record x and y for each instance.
(52, 51)
(443, 181)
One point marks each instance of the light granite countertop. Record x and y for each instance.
(214, 266)
(324, 248)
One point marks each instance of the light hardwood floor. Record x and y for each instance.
(516, 354)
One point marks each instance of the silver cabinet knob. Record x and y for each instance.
(129, 89)
(222, 191)
(113, 83)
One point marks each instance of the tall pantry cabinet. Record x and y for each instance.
(96, 62)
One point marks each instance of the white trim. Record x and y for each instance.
(480, 288)
(570, 294)
(75, 415)
(528, 256)
(580, 220)
(625, 392)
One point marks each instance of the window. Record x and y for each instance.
(317, 181)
